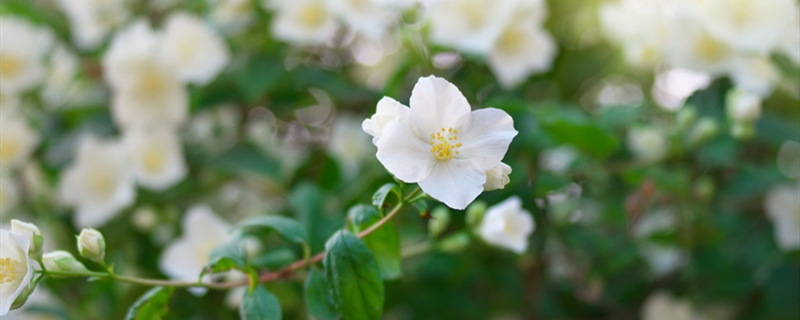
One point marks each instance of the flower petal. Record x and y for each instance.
(455, 182)
(435, 104)
(486, 137)
(404, 154)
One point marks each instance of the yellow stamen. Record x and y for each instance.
(10, 270)
(443, 146)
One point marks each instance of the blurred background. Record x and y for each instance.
(658, 148)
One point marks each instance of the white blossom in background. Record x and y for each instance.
(523, 48)
(147, 90)
(497, 177)
(749, 26)
(231, 16)
(469, 25)
(790, 43)
(756, 74)
(442, 145)
(742, 106)
(782, 205)
(62, 87)
(157, 157)
(673, 87)
(558, 159)
(17, 140)
(641, 27)
(198, 52)
(99, 183)
(662, 258)
(662, 306)
(349, 145)
(691, 46)
(185, 257)
(789, 159)
(649, 144)
(16, 268)
(91, 21)
(507, 225)
(9, 194)
(22, 47)
(388, 110)
(303, 21)
(369, 18)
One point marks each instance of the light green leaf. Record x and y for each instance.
(288, 228)
(260, 304)
(152, 305)
(379, 198)
(383, 242)
(355, 277)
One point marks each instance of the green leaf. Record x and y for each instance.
(259, 76)
(229, 255)
(307, 202)
(379, 198)
(260, 304)
(318, 296)
(355, 277)
(288, 228)
(383, 242)
(586, 136)
(246, 158)
(152, 305)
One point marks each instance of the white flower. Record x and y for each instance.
(522, 49)
(147, 87)
(790, 43)
(16, 268)
(367, 17)
(662, 306)
(742, 106)
(30, 232)
(558, 159)
(507, 225)
(303, 21)
(22, 47)
(99, 183)
(63, 88)
(92, 20)
(648, 144)
(443, 146)
(641, 27)
(469, 25)
(197, 50)
(662, 258)
(691, 46)
(497, 177)
(789, 159)
(758, 75)
(61, 260)
(92, 245)
(782, 205)
(349, 145)
(157, 157)
(231, 16)
(753, 26)
(185, 258)
(9, 194)
(17, 140)
(387, 110)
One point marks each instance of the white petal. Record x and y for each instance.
(201, 220)
(455, 182)
(180, 262)
(435, 104)
(486, 137)
(404, 154)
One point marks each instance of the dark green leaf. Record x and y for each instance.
(379, 198)
(289, 229)
(229, 255)
(318, 296)
(256, 78)
(246, 158)
(307, 201)
(383, 242)
(260, 305)
(152, 305)
(355, 277)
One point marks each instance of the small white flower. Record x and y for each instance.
(648, 144)
(497, 177)
(147, 87)
(790, 43)
(185, 257)
(22, 46)
(16, 268)
(367, 17)
(662, 306)
(387, 110)
(742, 106)
(349, 145)
(303, 21)
(469, 25)
(691, 46)
(522, 49)
(157, 157)
(231, 16)
(507, 225)
(758, 75)
(641, 27)
(442, 145)
(61, 260)
(752, 26)
(662, 258)
(99, 183)
(196, 49)
(30, 232)
(782, 205)
(92, 245)
(92, 20)
(63, 88)
(17, 140)
(558, 159)
(9, 194)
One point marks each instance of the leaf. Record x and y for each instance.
(379, 198)
(288, 228)
(353, 273)
(229, 255)
(259, 76)
(260, 304)
(318, 296)
(307, 202)
(383, 242)
(586, 136)
(246, 158)
(152, 305)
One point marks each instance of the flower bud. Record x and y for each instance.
(742, 106)
(685, 118)
(60, 260)
(23, 296)
(497, 177)
(455, 243)
(743, 130)
(475, 213)
(704, 130)
(32, 233)
(91, 245)
(440, 219)
(649, 144)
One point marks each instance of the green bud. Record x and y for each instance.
(32, 233)
(440, 219)
(23, 297)
(60, 260)
(455, 243)
(705, 129)
(92, 245)
(475, 213)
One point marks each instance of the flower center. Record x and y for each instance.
(100, 182)
(10, 270)
(312, 16)
(10, 66)
(153, 160)
(709, 49)
(8, 149)
(444, 144)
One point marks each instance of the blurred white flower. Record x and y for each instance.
(558, 159)
(99, 183)
(497, 177)
(522, 49)
(31, 232)
(369, 18)
(231, 16)
(147, 88)
(751, 26)
(742, 106)
(349, 145)
(469, 25)
(16, 268)
(388, 110)
(789, 159)
(22, 47)
(790, 43)
(92, 245)
(641, 27)
(661, 257)
(17, 140)
(662, 306)
(185, 257)
(507, 225)
(757, 75)
(198, 51)
(63, 88)
(691, 46)
(303, 21)
(9, 194)
(157, 157)
(648, 144)
(92, 20)
(41, 305)
(782, 205)
(442, 145)
(674, 86)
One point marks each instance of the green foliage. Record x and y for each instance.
(152, 305)
(260, 304)
(318, 294)
(289, 229)
(354, 276)
(384, 242)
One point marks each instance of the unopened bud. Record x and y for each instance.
(454, 243)
(475, 213)
(32, 233)
(440, 219)
(92, 246)
(705, 129)
(60, 260)
(742, 106)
